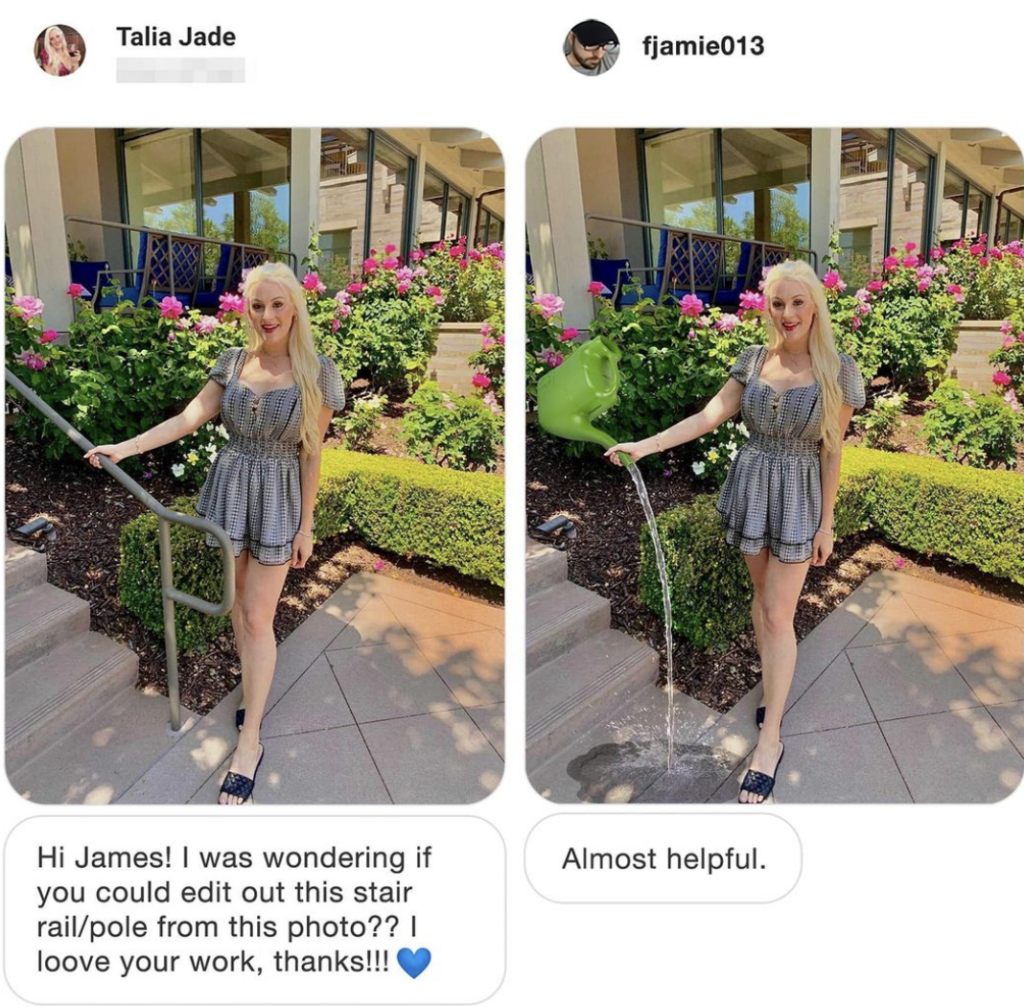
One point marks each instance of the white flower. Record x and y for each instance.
(222, 430)
(731, 446)
(698, 468)
(178, 470)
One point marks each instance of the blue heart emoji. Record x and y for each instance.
(414, 964)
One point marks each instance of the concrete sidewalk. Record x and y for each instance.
(390, 693)
(910, 691)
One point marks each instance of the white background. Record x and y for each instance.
(918, 904)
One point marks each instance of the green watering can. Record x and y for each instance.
(584, 387)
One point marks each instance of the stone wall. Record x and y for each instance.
(969, 363)
(449, 366)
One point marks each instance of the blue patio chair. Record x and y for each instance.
(88, 274)
(607, 271)
(218, 283)
(157, 251)
(764, 257)
(243, 258)
(675, 276)
(732, 285)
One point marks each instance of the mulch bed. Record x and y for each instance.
(89, 509)
(605, 557)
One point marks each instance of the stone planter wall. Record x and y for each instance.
(969, 363)
(449, 366)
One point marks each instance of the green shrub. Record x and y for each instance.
(924, 504)
(973, 429)
(472, 279)
(970, 516)
(880, 423)
(197, 571)
(991, 277)
(1010, 358)
(489, 361)
(362, 422)
(457, 431)
(452, 519)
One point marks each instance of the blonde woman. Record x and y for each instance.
(276, 399)
(57, 60)
(796, 395)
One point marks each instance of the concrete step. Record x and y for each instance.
(101, 758)
(545, 566)
(578, 690)
(40, 619)
(23, 568)
(55, 693)
(559, 618)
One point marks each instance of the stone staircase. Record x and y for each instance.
(72, 712)
(579, 671)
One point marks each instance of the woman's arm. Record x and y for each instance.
(725, 404)
(829, 489)
(203, 407)
(309, 483)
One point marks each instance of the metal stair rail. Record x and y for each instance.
(171, 595)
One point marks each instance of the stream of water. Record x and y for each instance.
(659, 556)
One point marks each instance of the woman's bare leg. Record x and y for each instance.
(782, 586)
(758, 567)
(263, 586)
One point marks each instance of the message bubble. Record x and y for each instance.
(254, 910)
(663, 858)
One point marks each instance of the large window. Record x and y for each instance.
(1010, 226)
(228, 184)
(443, 211)
(680, 170)
(964, 208)
(910, 194)
(344, 162)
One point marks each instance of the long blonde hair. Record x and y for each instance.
(301, 348)
(51, 53)
(825, 361)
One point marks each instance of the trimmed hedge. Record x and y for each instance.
(454, 519)
(970, 516)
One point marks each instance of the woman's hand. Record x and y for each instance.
(302, 549)
(635, 450)
(822, 547)
(115, 452)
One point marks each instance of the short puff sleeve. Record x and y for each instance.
(332, 389)
(746, 364)
(851, 383)
(225, 366)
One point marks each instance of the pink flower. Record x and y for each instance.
(456, 252)
(147, 475)
(1005, 327)
(370, 266)
(551, 358)
(899, 563)
(379, 565)
(355, 288)
(432, 291)
(923, 285)
(313, 283)
(49, 336)
(439, 299)
(977, 249)
(342, 297)
(492, 402)
(727, 323)
(232, 302)
(449, 405)
(691, 304)
(549, 305)
(390, 249)
(1001, 378)
(405, 273)
(667, 473)
(596, 288)
(206, 324)
(983, 261)
(691, 334)
(937, 253)
(390, 263)
(910, 246)
(875, 286)
(911, 262)
(404, 285)
(941, 270)
(486, 329)
(995, 253)
(29, 307)
(925, 272)
(463, 263)
(501, 339)
(415, 255)
(481, 381)
(488, 343)
(1008, 341)
(1010, 398)
(475, 255)
(419, 272)
(955, 290)
(76, 290)
(890, 262)
(568, 335)
(335, 325)
(855, 323)
(31, 360)
(751, 300)
(832, 281)
(171, 337)
(171, 307)
(345, 311)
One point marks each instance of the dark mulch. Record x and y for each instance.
(89, 509)
(605, 557)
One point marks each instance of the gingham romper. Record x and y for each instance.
(772, 494)
(253, 489)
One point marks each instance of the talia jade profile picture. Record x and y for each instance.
(59, 50)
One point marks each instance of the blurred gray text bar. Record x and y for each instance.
(174, 70)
